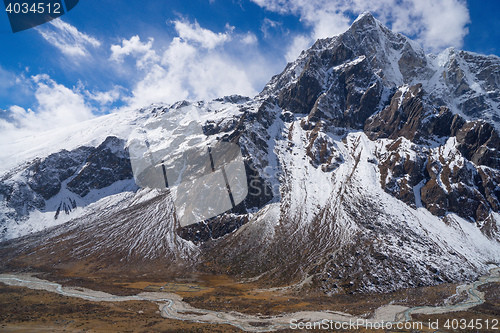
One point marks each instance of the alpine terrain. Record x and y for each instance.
(371, 167)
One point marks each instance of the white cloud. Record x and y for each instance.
(192, 32)
(142, 51)
(178, 54)
(159, 85)
(194, 66)
(445, 22)
(197, 64)
(57, 106)
(435, 24)
(104, 97)
(67, 38)
(249, 38)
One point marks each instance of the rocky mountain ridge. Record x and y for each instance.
(371, 166)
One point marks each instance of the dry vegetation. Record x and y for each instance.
(25, 310)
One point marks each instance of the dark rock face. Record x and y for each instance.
(235, 99)
(259, 191)
(351, 93)
(352, 97)
(473, 81)
(489, 186)
(466, 187)
(107, 164)
(212, 128)
(301, 96)
(321, 151)
(411, 63)
(40, 181)
(20, 198)
(410, 116)
(453, 187)
(343, 80)
(45, 177)
(400, 173)
(65, 207)
(444, 123)
(403, 117)
(91, 168)
(434, 198)
(212, 229)
(452, 181)
(479, 143)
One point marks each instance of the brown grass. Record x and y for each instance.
(25, 310)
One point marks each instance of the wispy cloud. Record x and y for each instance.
(104, 97)
(268, 25)
(192, 32)
(13, 86)
(67, 38)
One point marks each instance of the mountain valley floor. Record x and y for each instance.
(27, 310)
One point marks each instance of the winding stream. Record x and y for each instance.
(172, 307)
(475, 298)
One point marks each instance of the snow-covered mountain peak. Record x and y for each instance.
(467, 83)
(365, 18)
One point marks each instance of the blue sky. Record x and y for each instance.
(114, 55)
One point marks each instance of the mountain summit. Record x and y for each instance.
(371, 166)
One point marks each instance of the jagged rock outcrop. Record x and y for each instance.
(43, 184)
(107, 164)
